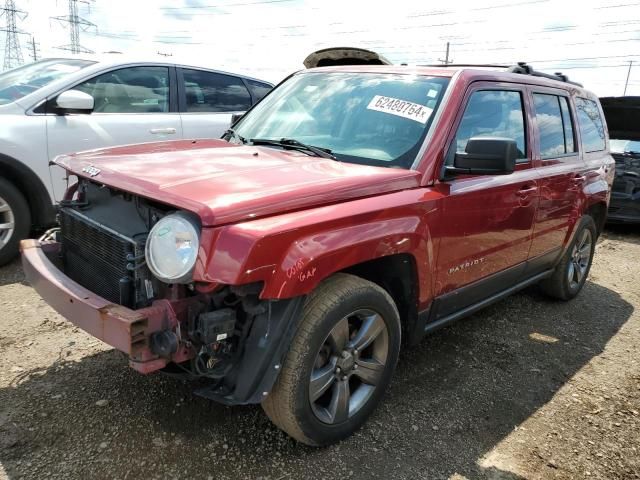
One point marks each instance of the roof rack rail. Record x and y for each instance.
(484, 65)
(521, 68)
(525, 69)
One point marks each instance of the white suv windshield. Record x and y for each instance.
(21, 81)
(368, 118)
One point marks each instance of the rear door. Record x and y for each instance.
(208, 100)
(562, 173)
(131, 105)
(487, 220)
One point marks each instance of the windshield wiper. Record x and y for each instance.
(296, 145)
(232, 133)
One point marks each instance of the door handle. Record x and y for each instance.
(527, 190)
(579, 179)
(159, 131)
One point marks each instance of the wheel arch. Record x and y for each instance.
(364, 248)
(398, 275)
(32, 188)
(598, 211)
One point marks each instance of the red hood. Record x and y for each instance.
(225, 183)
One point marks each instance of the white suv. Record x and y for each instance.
(57, 106)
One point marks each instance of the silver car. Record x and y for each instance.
(58, 105)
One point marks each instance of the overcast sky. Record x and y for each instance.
(592, 41)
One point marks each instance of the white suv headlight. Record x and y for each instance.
(172, 248)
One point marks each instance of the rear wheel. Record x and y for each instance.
(15, 220)
(571, 273)
(339, 363)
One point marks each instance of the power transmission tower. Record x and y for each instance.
(76, 23)
(34, 46)
(12, 51)
(446, 60)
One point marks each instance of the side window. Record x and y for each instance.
(214, 92)
(258, 89)
(493, 113)
(129, 90)
(590, 125)
(554, 125)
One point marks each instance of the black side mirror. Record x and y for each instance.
(486, 156)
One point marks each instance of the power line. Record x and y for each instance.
(12, 51)
(508, 5)
(596, 67)
(618, 5)
(75, 24)
(205, 7)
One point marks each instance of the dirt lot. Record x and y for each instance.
(528, 388)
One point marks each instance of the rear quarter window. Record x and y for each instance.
(590, 125)
(214, 92)
(257, 89)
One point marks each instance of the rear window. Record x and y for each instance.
(590, 125)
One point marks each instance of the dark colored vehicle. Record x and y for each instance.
(350, 212)
(623, 120)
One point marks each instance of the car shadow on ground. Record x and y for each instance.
(454, 397)
(626, 232)
(12, 273)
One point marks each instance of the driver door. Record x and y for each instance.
(487, 220)
(131, 105)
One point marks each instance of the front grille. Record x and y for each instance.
(96, 257)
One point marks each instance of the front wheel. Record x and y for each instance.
(15, 220)
(340, 362)
(571, 273)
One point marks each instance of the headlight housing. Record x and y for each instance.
(172, 248)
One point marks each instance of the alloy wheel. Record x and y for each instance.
(349, 366)
(7, 222)
(580, 258)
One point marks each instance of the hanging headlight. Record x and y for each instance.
(172, 248)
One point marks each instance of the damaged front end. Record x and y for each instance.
(94, 272)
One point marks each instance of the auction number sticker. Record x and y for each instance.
(400, 108)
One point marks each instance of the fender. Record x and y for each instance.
(596, 190)
(34, 191)
(292, 253)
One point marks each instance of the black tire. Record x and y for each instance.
(563, 284)
(338, 299)
(18, 214)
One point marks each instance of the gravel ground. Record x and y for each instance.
(528, 388)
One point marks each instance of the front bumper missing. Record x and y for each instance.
(124, 329)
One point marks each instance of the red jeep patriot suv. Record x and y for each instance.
(351, 208)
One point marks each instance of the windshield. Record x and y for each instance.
(367, 118)
(624, 146)
(21, 81)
